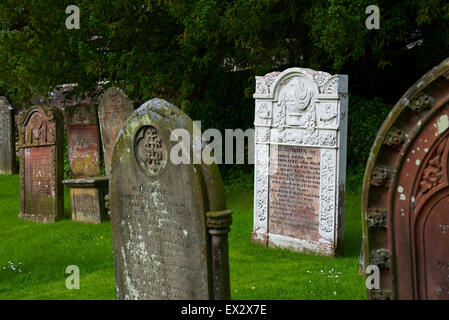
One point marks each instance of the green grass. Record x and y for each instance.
(43, 251)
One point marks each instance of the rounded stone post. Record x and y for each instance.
(218, 223)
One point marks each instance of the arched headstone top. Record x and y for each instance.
(81, 114)
(316, 82)
(37, 126)
(405, 173)
(4, 103)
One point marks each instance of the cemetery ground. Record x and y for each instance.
(34, 256)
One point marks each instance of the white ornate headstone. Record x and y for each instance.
(300, 163)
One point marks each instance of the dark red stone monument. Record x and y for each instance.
(41, 164)
(87, 189)
(406, 194)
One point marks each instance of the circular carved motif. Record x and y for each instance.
(150, 150)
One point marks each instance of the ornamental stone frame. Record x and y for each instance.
(301, 116)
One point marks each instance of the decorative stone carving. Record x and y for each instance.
(381, 258)
(300, 123)
(377, 218)
(381, 177)
(380, 294)
(395, 138)
(421, 102)
(150, 150)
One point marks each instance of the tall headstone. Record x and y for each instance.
(84, 151)
(405, 200)
(41, 155)
(114, 109)
(169, 221)
(7, 138)
(300, 160)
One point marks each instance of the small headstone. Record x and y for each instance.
(114, 109)
(300, 163)
(7, 138)
(41, 153)
(87, 189)
(169, 222)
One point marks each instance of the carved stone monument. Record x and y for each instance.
(114, 109)
(405, 202)
(169, 222)
(7, 138)
(300, 160)
(87, 189)
(41, 154)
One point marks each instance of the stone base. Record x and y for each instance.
(7, 171)
(259, 238)
(38, 218)
(292, 244)
(87, 197)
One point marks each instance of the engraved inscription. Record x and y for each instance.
(161, 240)
(84, 150)
(39, 185)
(294, 191)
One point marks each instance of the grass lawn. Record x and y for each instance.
(34, 256)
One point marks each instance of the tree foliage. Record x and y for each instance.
(198, 52)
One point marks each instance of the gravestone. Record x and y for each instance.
(169, 222)
(114, 109)
(87, 190)
(405, 200)
(7, 138)
(300, 160)
(41, 155)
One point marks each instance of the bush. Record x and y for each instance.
(365, 118)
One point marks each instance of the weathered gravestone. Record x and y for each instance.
(41, 155)
(300, 160)
(405, 202)
(114, 109)
(169, 221)
(87, 189)
(7, 138)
